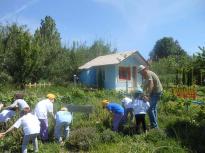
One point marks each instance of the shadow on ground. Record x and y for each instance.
(190, 135)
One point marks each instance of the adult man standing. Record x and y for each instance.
(153, 88)
(41, 111)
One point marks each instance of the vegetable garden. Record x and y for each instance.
(181, 129)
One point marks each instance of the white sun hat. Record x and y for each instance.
(140, 68)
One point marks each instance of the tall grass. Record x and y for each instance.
(93, 133)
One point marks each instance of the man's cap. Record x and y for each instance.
(140, 68)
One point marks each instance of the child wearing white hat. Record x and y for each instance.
(140, 107)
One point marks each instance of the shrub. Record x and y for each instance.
(31, 100)
(5, 78)
(83, 139)
(12, 141)
(100, 94)
(200, 116)
(109, 136)
(166, 96)
(155, 135)
(67, 98)
(76, 92)
(188, 134)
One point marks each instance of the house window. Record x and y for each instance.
(124, 73)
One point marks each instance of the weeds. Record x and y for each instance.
(180, 131)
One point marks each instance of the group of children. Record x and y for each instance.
(137, 107)
(35, 122)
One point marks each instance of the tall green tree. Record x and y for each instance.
(19, 53)
(165, 47)
(174, 69)
(99, 48)
(199, 62)
(48, 39)
(4, 76)
(80, 53)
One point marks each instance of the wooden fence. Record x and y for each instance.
(35, 85)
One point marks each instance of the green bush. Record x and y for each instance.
(76, 92)
(83, 139)
(12, 141)
(66, 98)
(109, 136)
(155, 135)
(5, 78)
(100, 94)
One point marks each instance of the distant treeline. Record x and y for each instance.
(27, 57)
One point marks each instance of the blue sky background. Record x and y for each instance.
(126, 24)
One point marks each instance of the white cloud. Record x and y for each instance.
(143, 15)
(12, 15)
(145, 18)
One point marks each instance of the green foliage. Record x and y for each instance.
(48, 147)
(30, 58)
(188, 134)
(180, 129)
(19, 56)
(200, 116)
(83, 138)
(174, 70)
(168, 96)
(78, 93)
(31, 100)
(108, 136)
(12, 140)
(165, 47)
(155, 135)
(5, 78)
(67, 98)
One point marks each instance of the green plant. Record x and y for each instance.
(109, 136)
(76, 92)
(83, 138)
(155, 135)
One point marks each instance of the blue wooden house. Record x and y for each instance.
(114, 71)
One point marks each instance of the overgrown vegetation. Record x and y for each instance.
(26, 57)
(181, 130)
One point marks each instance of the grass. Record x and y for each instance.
(181, 130)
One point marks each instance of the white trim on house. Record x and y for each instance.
(110, 59)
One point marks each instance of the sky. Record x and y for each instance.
(129, 25)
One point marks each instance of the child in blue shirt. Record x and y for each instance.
(117, 110)
(63, 120)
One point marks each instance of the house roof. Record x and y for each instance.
(109, 59)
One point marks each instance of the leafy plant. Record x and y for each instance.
(83, 138)
(155, 135)
(108, 136)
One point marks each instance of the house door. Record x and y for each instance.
(134, 77)
(100, 78)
